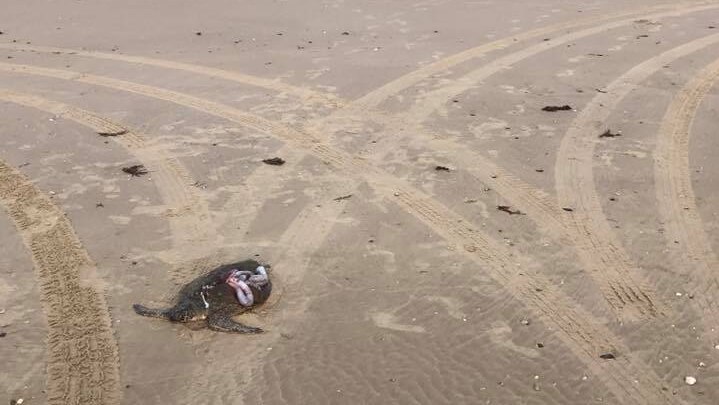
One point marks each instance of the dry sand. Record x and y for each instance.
(547, 265)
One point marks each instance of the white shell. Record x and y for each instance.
(690, 380)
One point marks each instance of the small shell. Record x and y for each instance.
(690, 380)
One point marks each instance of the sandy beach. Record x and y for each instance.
(481, 202)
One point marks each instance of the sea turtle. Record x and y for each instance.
(217, 296)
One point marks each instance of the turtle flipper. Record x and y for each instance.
(151, 312)
(223, 323)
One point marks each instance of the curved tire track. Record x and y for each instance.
(302, 237)
(434, 100)
(623, 292)
(188, 214)
(586, 339)
(624, 295)
(295, 249)
(372, 99)
(83, 362)
(307, 95)
(378, 96)
(616, 281)
(675, 194)
(192, 227)
(575, 181)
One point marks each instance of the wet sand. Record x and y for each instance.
(434, 235)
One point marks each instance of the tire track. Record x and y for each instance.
(236, 216)
(584, 338)
(675, 194)
(376, 97)
(256, 188)
(297, 243)
(83, 361)
(305, 94)
(372, 99)
(622, 292)
(190, 221)
(434, 100)
(294, 251)
(193, 231)
(575, 181)
(625, 295)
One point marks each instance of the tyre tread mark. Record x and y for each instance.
(83, 361)
(674, 191)
(581, 336)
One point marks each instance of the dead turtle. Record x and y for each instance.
(217, 296)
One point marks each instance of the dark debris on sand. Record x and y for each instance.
(442, 168)
(609, 134)
(275, 161)
(135, 170)
(107, 134)
(553, 108)
(509, 210)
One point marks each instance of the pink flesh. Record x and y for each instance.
(244, 294)
(241, 275)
